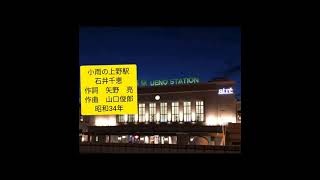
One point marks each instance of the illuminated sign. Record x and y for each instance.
(225, 91)
(108, 89)
(166, 82)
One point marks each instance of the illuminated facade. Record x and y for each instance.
(176, 114)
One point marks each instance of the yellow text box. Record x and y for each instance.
(108, 89)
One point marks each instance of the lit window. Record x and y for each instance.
(146, 140)
(151, 139)
(186, 111)
(97, 138)
(156, 139)
(142, 112)
(142, 138)
(164, 140)
(175, 111)
(84, 138)
(199, 111)
(152, 112)
(163, 112)
(131, 118)
(239, 116)
(172, 139)
(120, 118)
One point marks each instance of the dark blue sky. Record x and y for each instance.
(164, 53)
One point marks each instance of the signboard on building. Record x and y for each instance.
(225, 91)
(166, 82)
(108, 89)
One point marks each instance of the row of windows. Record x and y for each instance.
(164, 117)
(139, 139)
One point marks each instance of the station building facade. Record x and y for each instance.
(197, 114)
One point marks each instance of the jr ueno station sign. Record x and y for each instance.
(166, 82)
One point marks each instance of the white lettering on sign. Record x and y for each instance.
(225, 91)
(169, 82)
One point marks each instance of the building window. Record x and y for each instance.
(239, 115)
(172, 139)
(84, 138)
(186, 111)
(199, 111)
(165, 140)
(151, 140)
(130, 118)
(142, 112)
(120, 118)
(114, 139)
(146, 139)
(175, 111)
(152, 112)
(97, 138)
(163, 112)
(156, 139)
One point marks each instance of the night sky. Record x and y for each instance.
(166, 53)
